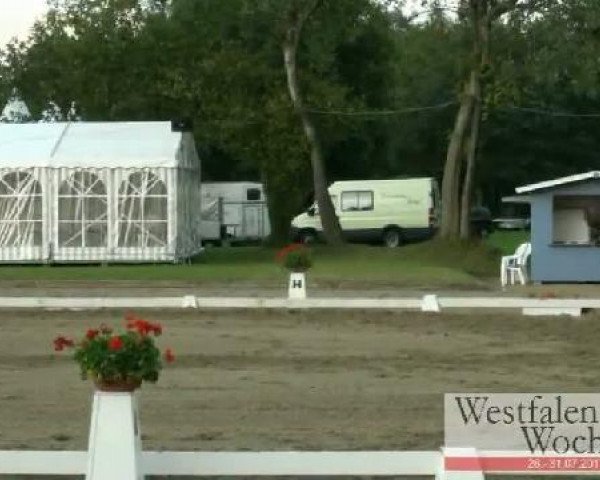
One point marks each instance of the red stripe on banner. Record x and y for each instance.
(523, 464)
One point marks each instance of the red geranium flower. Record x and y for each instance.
(169, 356)
(115, 344)
(143, 327)
(156, 329)
(92, 333)
(60, 343)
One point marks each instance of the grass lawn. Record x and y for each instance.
(507, 241)
(432, 264)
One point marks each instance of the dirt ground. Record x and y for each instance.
(129, 288)
(292, 380)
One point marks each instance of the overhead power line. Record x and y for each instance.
(441, 106)
(551, 113)
(373, 113)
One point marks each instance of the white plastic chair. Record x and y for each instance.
(513, 266)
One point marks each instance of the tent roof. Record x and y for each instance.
(88, 144)
(581, 177)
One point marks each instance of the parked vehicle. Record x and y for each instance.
(481, 222)
(389, 211)
(234, 211)
(512, 223)
(514, 216)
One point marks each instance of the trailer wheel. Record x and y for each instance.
(392, 237)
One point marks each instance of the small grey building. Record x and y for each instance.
(565, 228)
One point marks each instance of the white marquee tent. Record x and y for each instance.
(98, 192)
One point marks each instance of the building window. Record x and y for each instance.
(20, 210)
(143, 211)
(82, 211)
(357, 201)
(576, 220)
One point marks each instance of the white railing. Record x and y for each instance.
(235, 463)
(427, 464)
(430, 303)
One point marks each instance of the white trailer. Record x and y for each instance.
(234, 211)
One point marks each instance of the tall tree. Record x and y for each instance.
(480, 15)
(297, 14)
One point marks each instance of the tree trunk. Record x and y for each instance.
(279, 215)
(452, 168)
(456, 208)
(329, 220)
(467, 190)
(482, 22)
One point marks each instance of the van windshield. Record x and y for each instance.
(314, 208)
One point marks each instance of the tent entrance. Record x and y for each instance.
(86, 215)
(107, 215)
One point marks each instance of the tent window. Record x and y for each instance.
(20, 210)
(143, 215)
(82, 211)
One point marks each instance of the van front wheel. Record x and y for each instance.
(307, 237)
(392, 238)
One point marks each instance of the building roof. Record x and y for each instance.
(517, 199)
(581, 177)
(89, 144)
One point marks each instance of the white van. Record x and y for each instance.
(234, 211)
(388, 211)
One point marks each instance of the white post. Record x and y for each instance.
(461, 464)
(430, 303)
(189, 301)
(297, 285)
(115, 445)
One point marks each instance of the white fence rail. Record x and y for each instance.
(293, 463)
(427, 303)
(235, 463)
(424, 463)
(42, 463)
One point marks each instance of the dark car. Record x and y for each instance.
(514, 216)
(481, 222)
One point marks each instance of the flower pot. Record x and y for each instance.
(128, 385)
(297, 285)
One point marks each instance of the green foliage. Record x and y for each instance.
(427, 265)
(219, 62)
(506, 242)
(295, 258)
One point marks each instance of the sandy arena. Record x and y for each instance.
(292, 380)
